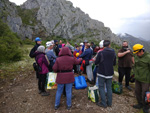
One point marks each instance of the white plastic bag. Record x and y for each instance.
(51, 80)
(93, 94)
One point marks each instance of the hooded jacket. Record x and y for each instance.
(42, 62)
(65, 62)
(142, 68)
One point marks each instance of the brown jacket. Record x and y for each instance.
(126, 60)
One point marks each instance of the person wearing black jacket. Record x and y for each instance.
(105, 61)
(56, 47)
(33, 50)
(38, 43)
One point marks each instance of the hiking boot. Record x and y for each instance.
(56, 107)
(138, 106)
(40, 91)
(87, 80)
(101, 105)
(45, 93)
(129, 88)
(109, 105)
(91, 82)
(68, 107)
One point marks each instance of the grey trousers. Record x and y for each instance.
(89, 71)
(140, 91)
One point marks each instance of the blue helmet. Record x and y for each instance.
(37, 39)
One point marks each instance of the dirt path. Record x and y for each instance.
(23, 97)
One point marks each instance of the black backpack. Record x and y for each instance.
(36, 67)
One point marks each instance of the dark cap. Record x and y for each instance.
(106, 43)
(55, 41)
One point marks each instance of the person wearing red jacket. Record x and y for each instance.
(65, 76)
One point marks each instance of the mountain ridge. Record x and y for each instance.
(53, 17)
(134, 40)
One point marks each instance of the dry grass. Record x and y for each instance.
(8, 71)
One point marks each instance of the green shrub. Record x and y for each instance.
(28, 16)
(9, 44)
(28, 42)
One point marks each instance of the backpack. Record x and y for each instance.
(116, 87)
(36, 67)
(32, 52)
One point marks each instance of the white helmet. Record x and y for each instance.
(48, 44)
(81, 44)
(101, 44)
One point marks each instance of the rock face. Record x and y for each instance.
(54, 18)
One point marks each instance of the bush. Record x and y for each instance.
(9, 44)
(28, 16)
(28, 42)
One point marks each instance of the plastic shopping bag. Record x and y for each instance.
(51, 80)
(80, 82)
(116, 87)
(93, 94)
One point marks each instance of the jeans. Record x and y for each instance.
(68, 88)
(78, 68)
(102, 81)
(97, 84)
(89, 71)
(124, 71)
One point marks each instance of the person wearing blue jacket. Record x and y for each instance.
(51, 55)
(105, 60)
(84, 46)
(87, 56)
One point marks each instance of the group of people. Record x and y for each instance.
(65, 60)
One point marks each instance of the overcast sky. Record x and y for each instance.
(121, 16)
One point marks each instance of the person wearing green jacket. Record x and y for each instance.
(142, 76)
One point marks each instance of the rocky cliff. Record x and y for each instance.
(46, 18)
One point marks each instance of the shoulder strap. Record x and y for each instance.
(47, 59)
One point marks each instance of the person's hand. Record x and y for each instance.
(128, 51)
